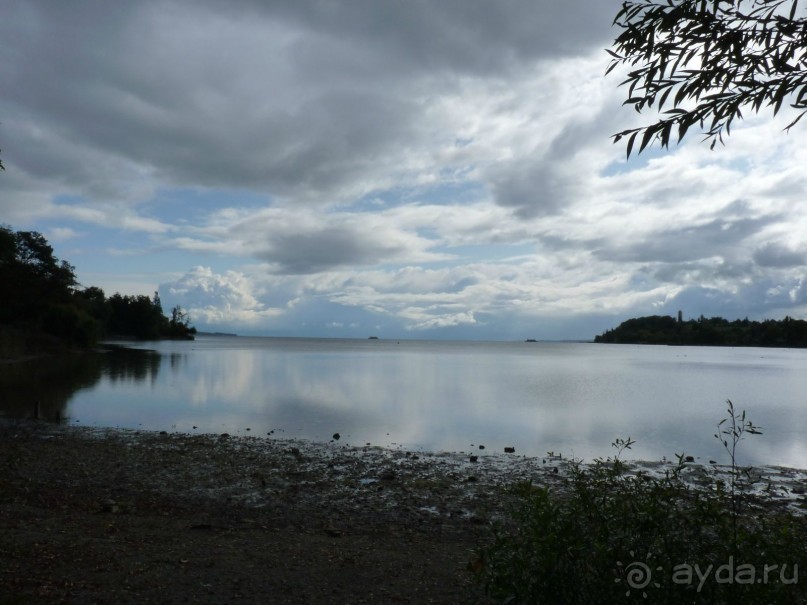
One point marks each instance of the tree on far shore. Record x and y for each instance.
(699, 62)
(712, 331)
(39, 290)
(43, 303)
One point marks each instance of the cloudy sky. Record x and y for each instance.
(419, 169)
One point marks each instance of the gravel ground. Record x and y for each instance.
(113, 516)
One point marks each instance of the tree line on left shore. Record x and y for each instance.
(42, 305)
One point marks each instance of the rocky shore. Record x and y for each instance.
(101, 516)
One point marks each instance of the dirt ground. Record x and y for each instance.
(93, 515)
(105, 516)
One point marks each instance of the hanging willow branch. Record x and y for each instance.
(701, 62)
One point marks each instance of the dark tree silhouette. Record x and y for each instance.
(39, 294)
(34, 279)
(713, 331)
(701, 62)
(41, 304)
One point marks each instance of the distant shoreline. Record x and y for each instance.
(787, 333)
(216, 334)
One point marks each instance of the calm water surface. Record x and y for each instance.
(453, 396)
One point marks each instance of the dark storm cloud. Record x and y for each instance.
(780, 256)
(701, 271)
(542, 184)
(532, 187)
(755, 300)
(292, 97)
(324, 249)
(466, 36)
(301, 242)
(683, 244)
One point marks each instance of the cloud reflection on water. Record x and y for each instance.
(569, 398)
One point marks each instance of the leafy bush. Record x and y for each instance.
(613, 536)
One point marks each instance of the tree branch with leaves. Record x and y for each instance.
(701, 62)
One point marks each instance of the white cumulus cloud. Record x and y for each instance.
(216, 299)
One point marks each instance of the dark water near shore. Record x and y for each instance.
(572, 398)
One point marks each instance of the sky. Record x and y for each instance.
(346, 168)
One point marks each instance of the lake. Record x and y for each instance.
(569, 398)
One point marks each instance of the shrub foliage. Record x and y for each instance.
(609, 535)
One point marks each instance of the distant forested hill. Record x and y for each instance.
(714, 331)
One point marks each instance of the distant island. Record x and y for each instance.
(713, 331)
